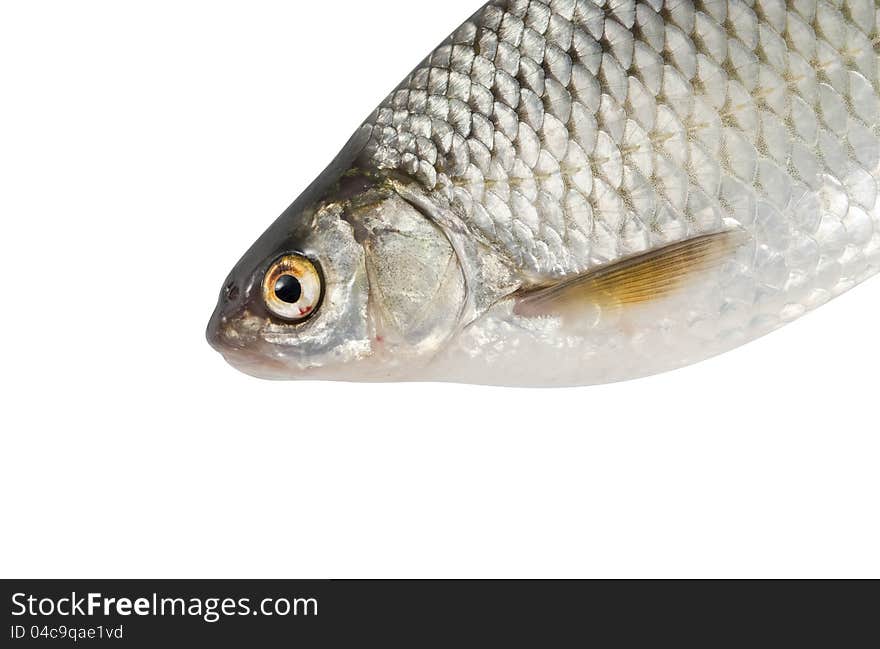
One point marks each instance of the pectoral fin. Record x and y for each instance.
(643, 278)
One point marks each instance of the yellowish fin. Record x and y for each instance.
(650, 276)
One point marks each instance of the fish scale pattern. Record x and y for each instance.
(572, 133)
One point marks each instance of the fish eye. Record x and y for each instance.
(292, 288)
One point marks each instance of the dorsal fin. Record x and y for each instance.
(643, 278)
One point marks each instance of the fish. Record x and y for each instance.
(577, 192)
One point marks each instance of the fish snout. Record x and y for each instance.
(219, 332)
(222, 332)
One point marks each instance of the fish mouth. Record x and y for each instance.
(240, 338)
(225, 339)
(219, 333)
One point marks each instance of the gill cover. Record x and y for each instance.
(416, 286)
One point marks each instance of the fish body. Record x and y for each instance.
(572, 192)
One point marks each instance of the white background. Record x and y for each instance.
(143, 147)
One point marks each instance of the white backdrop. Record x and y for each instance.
(143, 147)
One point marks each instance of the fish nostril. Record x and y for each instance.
(231, 292)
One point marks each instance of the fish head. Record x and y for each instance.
(357, 285)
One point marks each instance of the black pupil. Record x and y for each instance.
(288, 289)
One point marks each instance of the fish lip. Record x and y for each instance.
(212, 331)
(218, 325)
(248, 361)
(242, 354)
